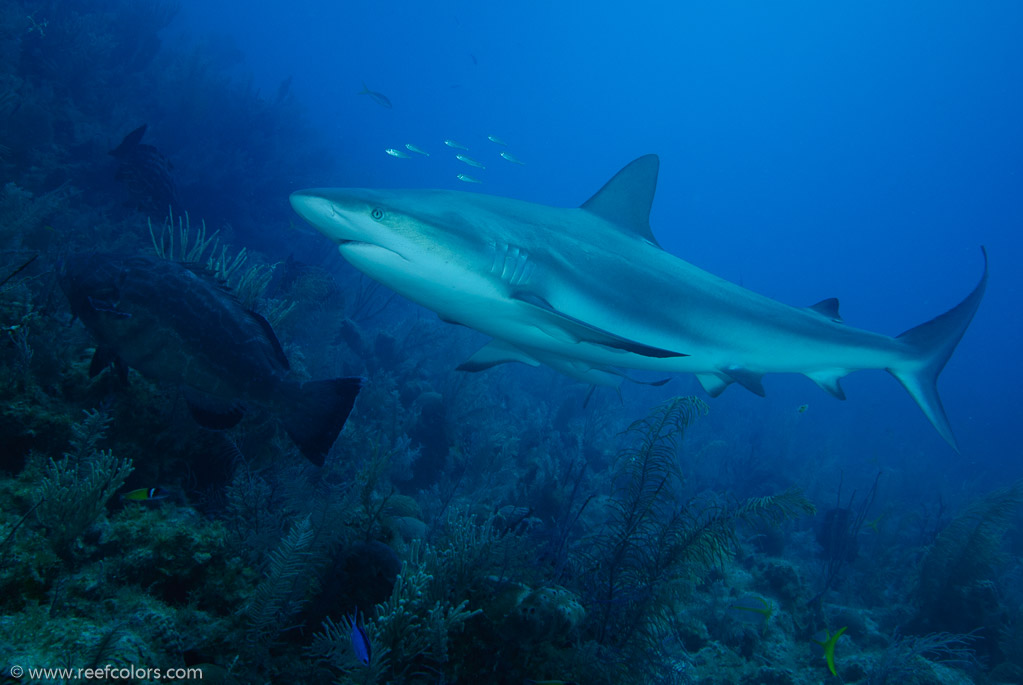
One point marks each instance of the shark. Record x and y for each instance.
(589, 292)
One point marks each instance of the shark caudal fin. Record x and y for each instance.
(931, 345)
(316, 412)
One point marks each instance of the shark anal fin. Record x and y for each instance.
(626, 199)
(828, 309)
(494, 353)
(580, 331)
(750, 380)
(713, 383)
(829, 381)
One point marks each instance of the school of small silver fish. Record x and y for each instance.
(399, 153)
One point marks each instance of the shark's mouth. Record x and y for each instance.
(361, 246)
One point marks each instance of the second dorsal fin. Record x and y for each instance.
(827, 308)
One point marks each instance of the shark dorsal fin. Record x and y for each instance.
(625, 200)
(828, 309)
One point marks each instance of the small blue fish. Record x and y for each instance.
(360, 640)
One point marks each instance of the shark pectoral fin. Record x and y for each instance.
(829, 381)
(713, 383)
(613, 377)
(494, 353)
(750, 380)
(828, 309)
(564, 327)
(594, 375)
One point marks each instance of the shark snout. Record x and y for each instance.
(309, 204)
(322, 213)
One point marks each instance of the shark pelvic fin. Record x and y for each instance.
(829, 381)
(828, 309)
(750, 380)
(713, 383)
(626, 199)
(494, 353)
(568, 328)
(930, 345)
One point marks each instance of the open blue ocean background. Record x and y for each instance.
(861, 151)
(184, 483)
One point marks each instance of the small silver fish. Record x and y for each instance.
(457, 146)
(511, 158)
(412, 148)
(467, 178)
(470, 161)
(495, 139)
(396, 153)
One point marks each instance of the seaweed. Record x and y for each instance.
(903, 657)
(74, 491)
(283, 591)
(838, 537)
(410, 632)
(651, 539)
(957, 588)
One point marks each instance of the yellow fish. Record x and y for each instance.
(828, 643)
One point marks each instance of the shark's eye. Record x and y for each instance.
(377, 214)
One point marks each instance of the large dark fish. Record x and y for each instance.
(174, 323)
(146, 174)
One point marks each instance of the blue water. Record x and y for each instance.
(863, 151)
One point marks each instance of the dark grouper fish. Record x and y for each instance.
(146, 174)
(176, 324)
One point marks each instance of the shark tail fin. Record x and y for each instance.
(931, 345)
(317, 411)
